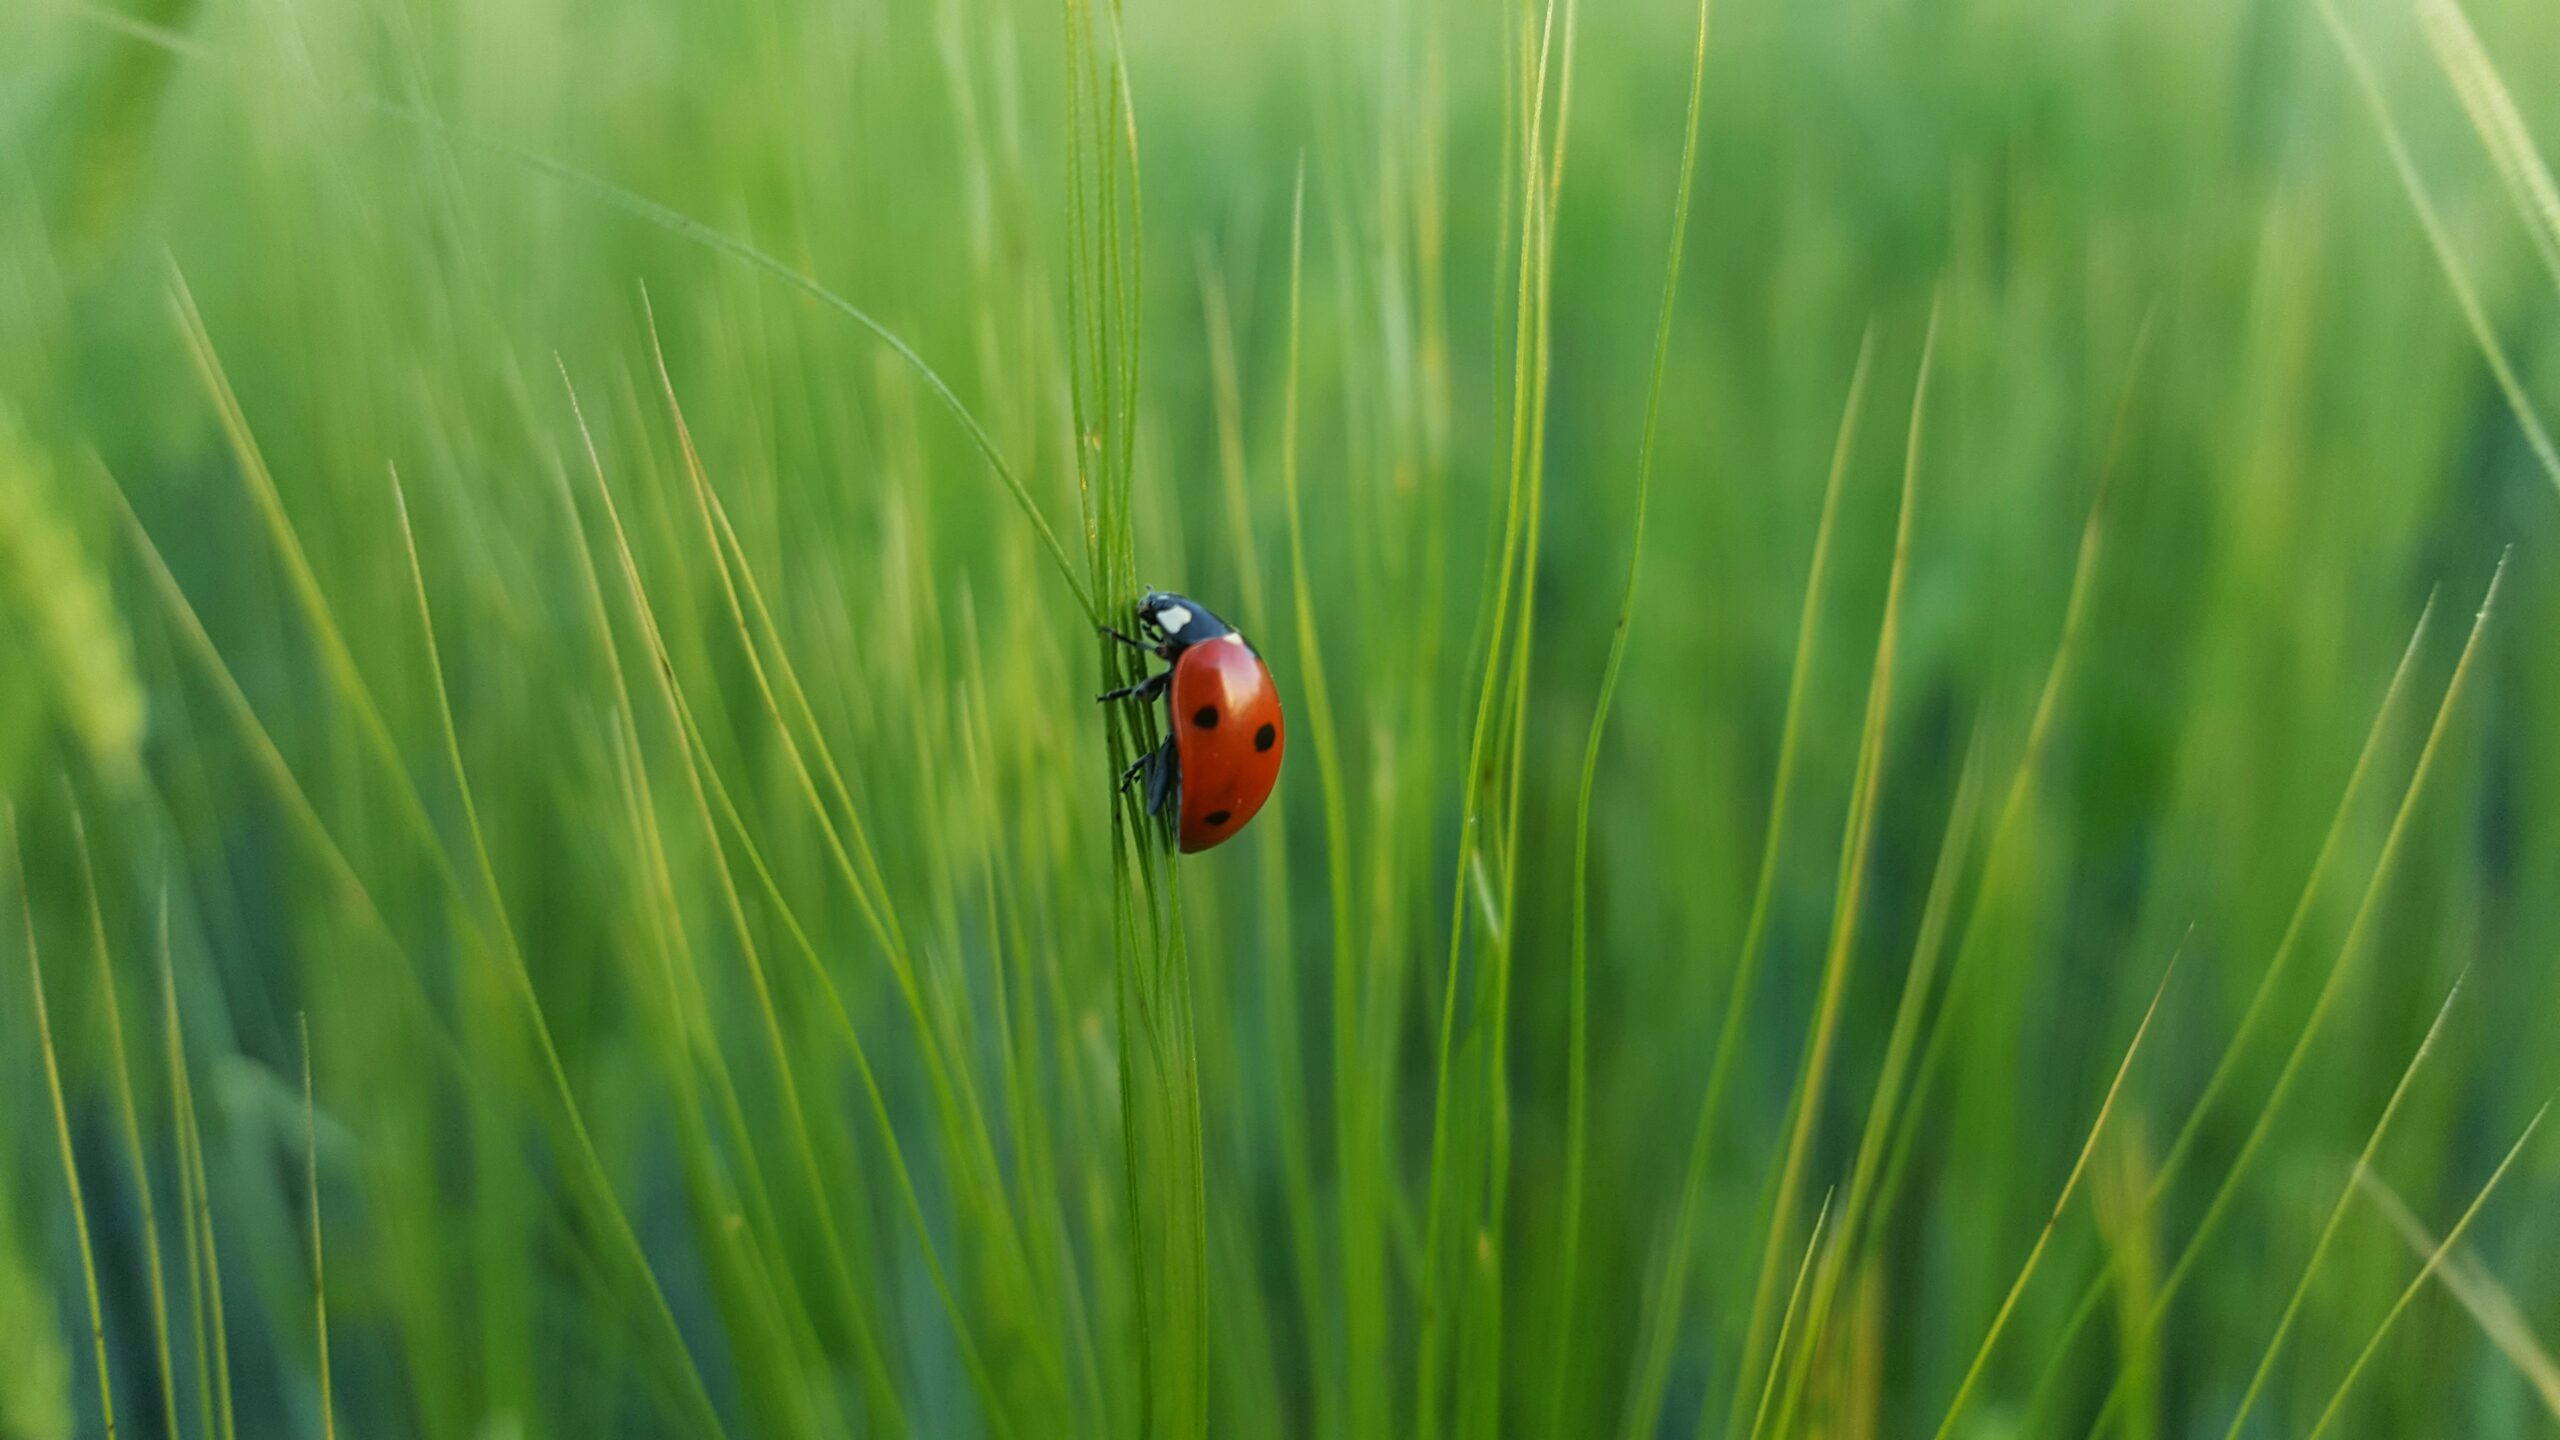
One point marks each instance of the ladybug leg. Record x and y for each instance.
(1129, 776)
(1165, 649)
(1162, 774)
(1147, 689)
(1164, 777)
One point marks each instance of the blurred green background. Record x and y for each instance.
(733, 1002)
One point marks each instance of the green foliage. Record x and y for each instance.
(559, 547)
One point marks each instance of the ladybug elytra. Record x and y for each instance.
(1222, 755)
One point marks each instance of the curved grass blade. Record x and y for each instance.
(2493, 113)
(1283, 1027)
(1856, 842)
(2466, 293)
(2000, 853)
(2070, 1183)
(2478, 1291)
(837, 1009)
(319, 1263)
(1795, 1301)
(204, 1264)
(1356, 1155)
(674, 222)
(131, 1115)
(2358, 930)
(62, 1131)
(2337, 1213)
(349, 683)
(1536, 232)
(2228, 1063)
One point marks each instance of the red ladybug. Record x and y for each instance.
(1223, 755)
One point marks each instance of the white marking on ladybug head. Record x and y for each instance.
(1172, 618)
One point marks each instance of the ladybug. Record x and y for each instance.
(1222, 756)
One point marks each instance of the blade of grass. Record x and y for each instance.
(2357, 931)
(2472, 1285)
(860, 866)
(2457, 276)
(1535, 228)
(1856, 843)
(204, 1260)
(1283, 1027)
(663, 217)
(2338, 1213)
(2227, 1064)
(965, 1118)
(350, 684)
(1662, 1327)
(768, 1326)
(776, 1293)
(197, 1251)
(2001, 853)
(319, 1264)
(837, 1010)
(1481, 1390)
(1036, 1190)
(955, 1085)
(132, 1118)
(62, 1129)
(2044, 1236)
(1578, 982)
(1928, 947)
(2502, 130)
(1795, 1301)
(1356, 1159)
(1163, 1175)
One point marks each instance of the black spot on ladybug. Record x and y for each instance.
(1214, 817)
(1206, 717)
(1266, 737)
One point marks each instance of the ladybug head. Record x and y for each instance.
(1180, 621)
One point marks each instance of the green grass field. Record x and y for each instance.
(1923, 792)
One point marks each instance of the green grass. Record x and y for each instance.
(565, 877)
